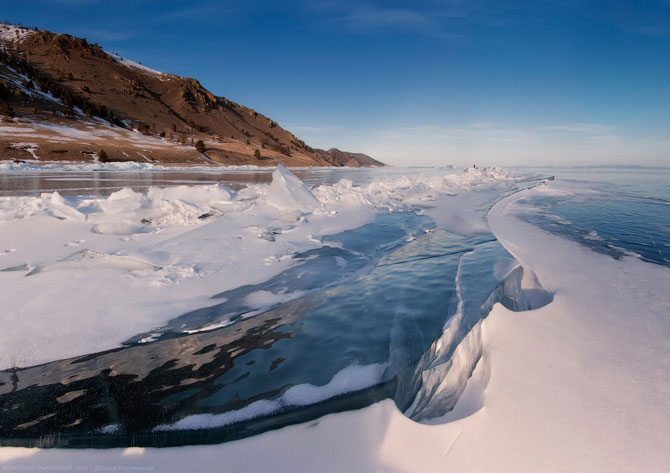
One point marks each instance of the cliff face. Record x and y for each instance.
(82, 99)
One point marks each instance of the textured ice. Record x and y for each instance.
(205, 240)
(287, 192)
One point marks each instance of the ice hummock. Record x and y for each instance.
(287, 192)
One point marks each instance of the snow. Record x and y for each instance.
(86, 132)
(29, 147)
(208, 421)
(351, 378)
(17, 80)
(13, 33)
(133, 64)
(578, 384)
(16, 130)
(92, 260)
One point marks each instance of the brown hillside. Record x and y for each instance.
(336, 157)
(56, 88)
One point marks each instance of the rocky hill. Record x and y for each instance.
(65, 99)
(336, 157)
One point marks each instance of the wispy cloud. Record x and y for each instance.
(375, 19)
(590, 128)
(368, 17)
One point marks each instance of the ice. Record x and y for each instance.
(56, 206)
(261, 299)
(289, 193)
(133, 166)
(351, 378)
(208, 421)
(579, 384)
(204, 238)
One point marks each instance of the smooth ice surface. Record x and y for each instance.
(610, 221)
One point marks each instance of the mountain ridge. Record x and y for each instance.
(71, 100)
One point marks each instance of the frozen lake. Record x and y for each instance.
(615, 211)
(171, 308)
(373, 310)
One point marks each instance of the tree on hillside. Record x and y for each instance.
(200, 146)
(257, 154)
(102, 156)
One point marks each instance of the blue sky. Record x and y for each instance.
(413, 83)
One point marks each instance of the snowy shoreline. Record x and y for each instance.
(134, 166)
